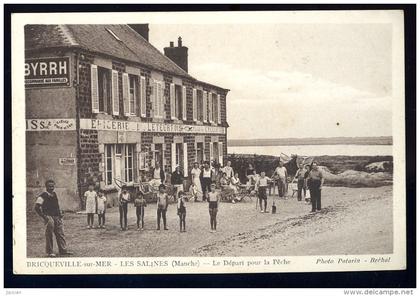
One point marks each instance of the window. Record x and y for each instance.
(214, 102)
(215, 155)
(132, 93)
(178, 154)
(199, 105)
(119, 163)
(104, 89)
(178, 101)
(158, 102)
(128, 168)
(158, 154)
(200, 152)
(108, 164)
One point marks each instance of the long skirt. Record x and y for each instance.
(199, 189)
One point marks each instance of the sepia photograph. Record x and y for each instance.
(209, 142)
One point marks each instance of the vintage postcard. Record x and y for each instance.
(208, 142)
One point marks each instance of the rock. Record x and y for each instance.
(381, 166)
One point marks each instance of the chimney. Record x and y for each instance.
(179, 54)
(142, 29)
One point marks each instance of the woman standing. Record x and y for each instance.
(195, 178)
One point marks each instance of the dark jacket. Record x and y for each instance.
(177, 178)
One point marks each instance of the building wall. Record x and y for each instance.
(88, 145)
(45, 148)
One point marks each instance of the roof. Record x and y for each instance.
(129, 46)
(99, 38)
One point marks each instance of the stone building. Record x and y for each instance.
(103, 104)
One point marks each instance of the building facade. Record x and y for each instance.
(103, 105)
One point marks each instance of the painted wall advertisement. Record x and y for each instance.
(47, 72)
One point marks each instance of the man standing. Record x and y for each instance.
(158, 175)
(281, 175)
(300, 176)
(47, 207)
(315, 182)
(206, 179)
(177, 180)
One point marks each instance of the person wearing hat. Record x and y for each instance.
(162, 206)
(315, 182)
(182, 209)
(47, 207)
(280, 175)
(123, 200)
(177, 180)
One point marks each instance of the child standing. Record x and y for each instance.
(162, 206)
(124, 198)
(101, 208)
(262, 185)
(214, 198)
(140, 204)
(182, 210)
(90, 201)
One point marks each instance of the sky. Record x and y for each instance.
(293, 80)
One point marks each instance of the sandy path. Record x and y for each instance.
(353, 221)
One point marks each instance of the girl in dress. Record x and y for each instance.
(90, 197)
(195, 176)
(101, 209)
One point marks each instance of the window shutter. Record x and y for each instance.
(184, 103)
(185, 152)
(194, 105)
(173, 157)
(210, 99)
(143, 96)
(220, 153)
(211, 151)
(219, 117)
(172, 100)
(204, 106)
(115, 94)
(136, 95)
(94, 88)
(162, 100)
(126, 94)
(155, 99)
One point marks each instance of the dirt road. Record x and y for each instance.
(353, 221)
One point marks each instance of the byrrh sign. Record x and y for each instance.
(47, 72)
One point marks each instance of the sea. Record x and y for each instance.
(315, 150)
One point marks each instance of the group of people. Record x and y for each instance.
(203, 186)
(162, 202)
(307, 177)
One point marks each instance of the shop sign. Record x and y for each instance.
(63, 124)
(47, 72)
(153, 127)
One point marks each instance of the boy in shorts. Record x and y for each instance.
(213, 199)
(262, 185)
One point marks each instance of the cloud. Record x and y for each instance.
(296, 104)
